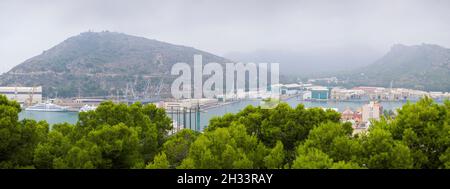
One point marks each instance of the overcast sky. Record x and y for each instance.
(221, 26)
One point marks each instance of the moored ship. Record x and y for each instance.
(46, 107)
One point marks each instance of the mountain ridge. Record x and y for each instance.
(423, 67)
(101, 63)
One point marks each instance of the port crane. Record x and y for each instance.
(31, 96)
(147, 96)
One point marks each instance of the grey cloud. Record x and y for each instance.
(222, 26)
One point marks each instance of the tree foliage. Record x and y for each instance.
(119, 136)
(225, 148)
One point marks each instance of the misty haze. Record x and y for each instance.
(224, 84)
(312, 35)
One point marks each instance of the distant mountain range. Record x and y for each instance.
(314, 62)
(423, 67)
(98, 64)
(109, 63)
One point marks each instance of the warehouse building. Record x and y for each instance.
(23, 95)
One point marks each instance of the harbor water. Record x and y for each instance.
(72, 117)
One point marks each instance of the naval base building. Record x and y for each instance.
(23, 95)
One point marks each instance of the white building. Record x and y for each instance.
(347, 94)
(293, 88)
(370, 111)
(23, 95)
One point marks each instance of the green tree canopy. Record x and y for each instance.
(18, 139)
(424, 128)
(120, 136)
(225, 148)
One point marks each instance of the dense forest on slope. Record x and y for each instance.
(117, 136)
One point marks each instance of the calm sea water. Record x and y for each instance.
(50, 117)
(72, 117)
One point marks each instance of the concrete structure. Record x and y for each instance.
(191, 103)
(23, 95)
(340, 94)
(188, 103)
(90, 101)
(173, 106)
(370, 111)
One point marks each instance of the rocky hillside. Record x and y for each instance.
(98, 64)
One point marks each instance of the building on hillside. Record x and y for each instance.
(23, 95)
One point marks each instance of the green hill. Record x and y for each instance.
(98, 64)
(423, 67)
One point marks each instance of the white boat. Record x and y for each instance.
(87, 108)
(46, 107)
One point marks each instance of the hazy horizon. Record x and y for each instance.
(226, 27)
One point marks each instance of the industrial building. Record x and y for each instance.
(340, 94)
(319, 93)
(23, 95)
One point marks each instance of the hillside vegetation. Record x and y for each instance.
(423, 67)
(97, 64)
